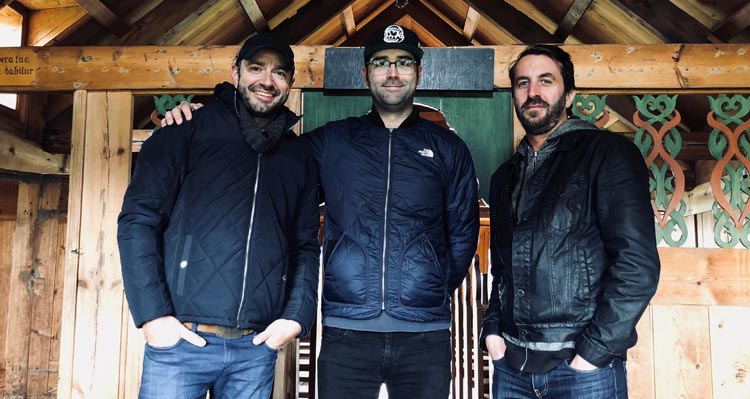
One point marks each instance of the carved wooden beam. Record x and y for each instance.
(148, 69)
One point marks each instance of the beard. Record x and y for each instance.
(535, 125)
(261, 108)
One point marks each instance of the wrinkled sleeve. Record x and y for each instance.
(626, 223)
(305, 255)
(491, 318)
(148, 202)
(462, 216)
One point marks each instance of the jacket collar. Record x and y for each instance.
(376, 120)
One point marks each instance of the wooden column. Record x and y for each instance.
(94, 344)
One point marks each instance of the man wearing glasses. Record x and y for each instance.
(401, 226)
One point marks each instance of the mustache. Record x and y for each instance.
(532, 101)
(269, 89)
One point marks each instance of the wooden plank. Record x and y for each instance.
(45, 26)
(569, 22)
(682, 354)
(703, 276)
(20, 291)
(512, 20)
(7, 227)
(470, 26)
(100, 292)
(675, 24)
(147, 67)
(730, 351)
(614, 68)
(72, 246)
(255, 15)
(44, 270)
(640, 364)
(57, 304)
(25, 156)
(105, 16)
(349, 24)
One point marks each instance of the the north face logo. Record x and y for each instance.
(393, 34)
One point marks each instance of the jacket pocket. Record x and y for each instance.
(183, 262)
(564, 208)
(345, 273)
(422, 282)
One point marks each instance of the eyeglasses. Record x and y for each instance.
(404, 66)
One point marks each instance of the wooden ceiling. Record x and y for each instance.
(45, 118)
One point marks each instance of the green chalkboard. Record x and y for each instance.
(482, 119)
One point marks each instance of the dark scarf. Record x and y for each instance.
(261, 139)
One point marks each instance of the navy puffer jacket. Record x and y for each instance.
(213, 232)
(401, 217)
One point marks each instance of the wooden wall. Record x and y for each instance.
(32, 235)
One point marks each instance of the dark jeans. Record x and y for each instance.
(354, 364)
(231, 368)
(562, 382)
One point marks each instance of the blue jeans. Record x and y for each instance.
(562, 382)
(354, 364)
(230, 368)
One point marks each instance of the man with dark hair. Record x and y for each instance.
(401, 229)
(574, 260)
(218, 237)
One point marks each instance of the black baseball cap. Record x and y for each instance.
(393, 37)
(262, 41)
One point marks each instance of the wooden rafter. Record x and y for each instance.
(349, 24)
(309, 18)
(256, 16)
(25, 156)
(102, 14)
(676, 25)
(470, 26)
(512, 20)
(733, 24)
(569, 22)
(4, 3)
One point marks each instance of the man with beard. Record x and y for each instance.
(401, 229)
(573, 249)
(218, 237)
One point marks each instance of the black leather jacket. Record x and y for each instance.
(580, 267)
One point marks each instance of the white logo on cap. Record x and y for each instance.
(393, 34)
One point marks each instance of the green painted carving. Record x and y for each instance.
(660, 142)
(729, 144)
(165, 103)
(591, 108)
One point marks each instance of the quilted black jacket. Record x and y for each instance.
(214, 232)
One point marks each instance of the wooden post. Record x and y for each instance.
(92, 332)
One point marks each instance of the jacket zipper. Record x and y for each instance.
(247, 244)
(385, 220)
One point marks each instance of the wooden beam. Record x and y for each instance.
(102, 14)
(5, 3)
(309, 18)
(569, 22)
(686, 68)
(256, 16)
(517, 23)
(49, 26)
(349, 24)
(676, 25)
(733, 24)
(21, 155)
(470, 26)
